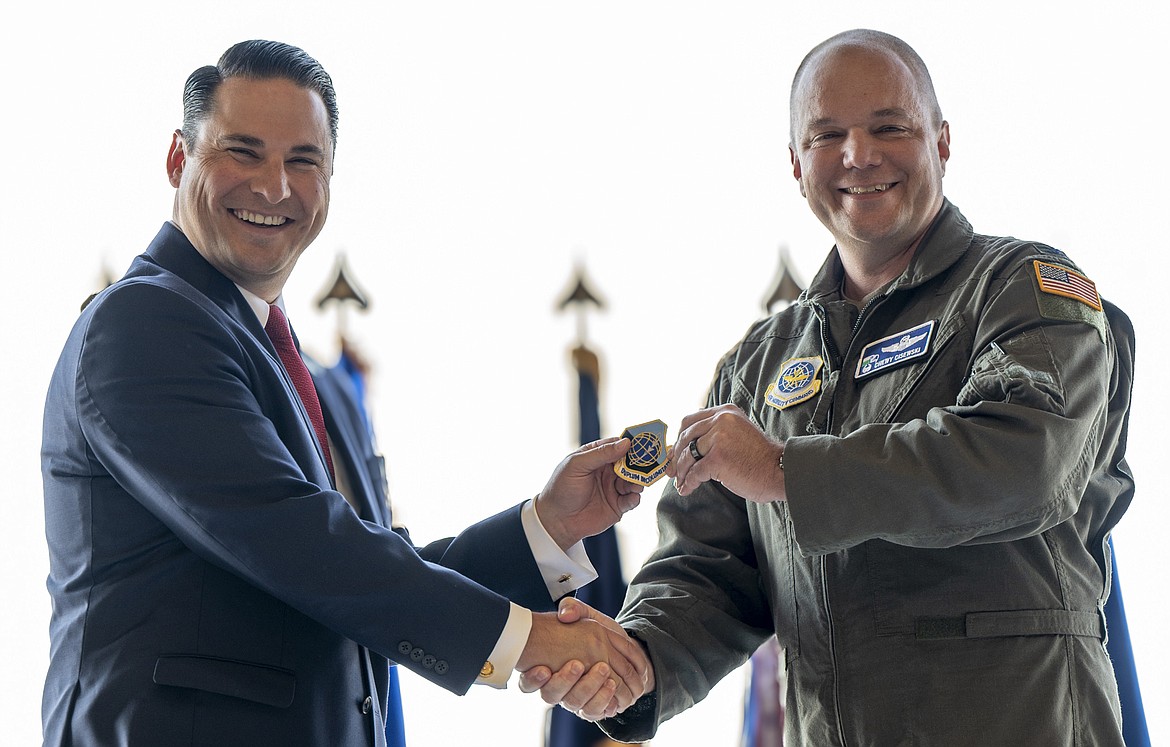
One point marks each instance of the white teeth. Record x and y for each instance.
(263, 220)
(867, 190)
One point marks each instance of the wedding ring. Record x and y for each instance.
(693, 447)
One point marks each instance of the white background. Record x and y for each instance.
(485, 147)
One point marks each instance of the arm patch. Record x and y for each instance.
(1067, 295)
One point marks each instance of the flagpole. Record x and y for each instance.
(606, 593)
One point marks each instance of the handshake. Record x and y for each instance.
(563, 644)
(579, 657)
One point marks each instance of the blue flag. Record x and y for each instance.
(395, 726)
(1133, 715)
(609, 590)
(763, 710)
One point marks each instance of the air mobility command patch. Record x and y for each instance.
(798, 381)
(645, 462)
(895, 350)
(1068, 295)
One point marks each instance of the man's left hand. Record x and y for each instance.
(723, 444)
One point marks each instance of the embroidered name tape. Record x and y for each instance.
(898, 348)
(798, 381)
(1061, 281)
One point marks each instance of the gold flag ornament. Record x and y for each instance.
(645, 462)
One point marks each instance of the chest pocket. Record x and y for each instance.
(910, 391)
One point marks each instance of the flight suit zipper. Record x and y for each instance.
(838, 362)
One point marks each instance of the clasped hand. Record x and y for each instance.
(585, 661)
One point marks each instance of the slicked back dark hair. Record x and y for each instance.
(258, 60)
(868, 38)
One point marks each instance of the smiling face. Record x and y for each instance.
(868, 152)
(253, 190)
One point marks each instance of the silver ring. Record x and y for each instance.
(693, 447)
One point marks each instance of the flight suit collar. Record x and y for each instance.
(947, 240)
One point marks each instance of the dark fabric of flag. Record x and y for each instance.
(608, 591)
(1133, 714)
(763, 710)
(395, 726)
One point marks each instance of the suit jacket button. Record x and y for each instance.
(428, 661)
(404, 648)
(367, 705)
(441, 667)
(416, 655)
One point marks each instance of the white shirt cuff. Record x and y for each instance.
(563, 571)
(503, 658)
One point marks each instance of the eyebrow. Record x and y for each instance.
(893, 111)
(254, 142)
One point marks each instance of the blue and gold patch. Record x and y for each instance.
(895, 350)
(645, 462)
(798, 381)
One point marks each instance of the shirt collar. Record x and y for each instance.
(259, 305)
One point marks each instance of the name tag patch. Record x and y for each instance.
(898, 348)
(798, 381)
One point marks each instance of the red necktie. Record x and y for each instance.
(278, 332)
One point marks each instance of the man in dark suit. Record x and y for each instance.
(210, 583)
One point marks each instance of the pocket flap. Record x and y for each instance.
(259, 683)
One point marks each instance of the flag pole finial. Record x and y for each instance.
(342, 291)
(580, 297)
(785, 287)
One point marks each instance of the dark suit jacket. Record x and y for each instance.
(208, 585)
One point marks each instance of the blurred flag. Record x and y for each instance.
(1133, 714)
(341, 293)
(351, 365)
(763, 710)
(609, 590)
(763, 707)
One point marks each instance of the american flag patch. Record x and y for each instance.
(1061, 281)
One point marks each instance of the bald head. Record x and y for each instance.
(865, 40)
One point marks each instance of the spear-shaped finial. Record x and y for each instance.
(785, 287)
(580, 297)
(343, 291)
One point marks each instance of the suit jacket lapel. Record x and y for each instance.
(172, 251)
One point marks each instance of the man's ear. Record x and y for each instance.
(796, 173)
(944, 145)
(176, 159)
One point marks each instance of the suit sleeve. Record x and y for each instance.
(189, 416)
(495, 553)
